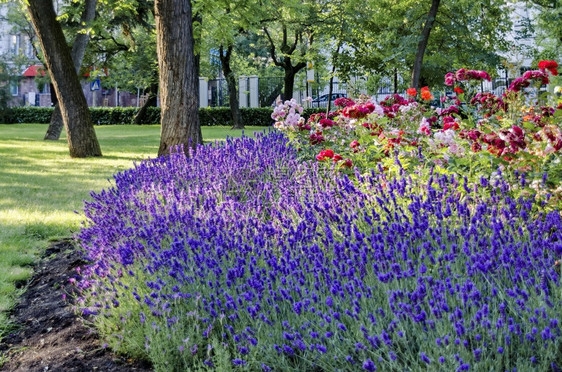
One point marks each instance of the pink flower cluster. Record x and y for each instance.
(391, 104)
(344, 102)
(466, 75)
(287, 114)
(358, 111)
(489, 103)
(525, 80)
(518, 84)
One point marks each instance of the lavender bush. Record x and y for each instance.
(243, 258)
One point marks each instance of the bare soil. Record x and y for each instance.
(50, 335)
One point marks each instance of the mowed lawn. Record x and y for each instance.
(41, 188)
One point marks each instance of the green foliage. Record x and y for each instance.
(382, 37)
(547, 27)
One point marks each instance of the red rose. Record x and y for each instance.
(347, 163)
(327, 123)
(550, 66)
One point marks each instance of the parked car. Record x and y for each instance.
(322, 101)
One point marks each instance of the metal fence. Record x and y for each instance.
(271, 88)
(218, 96)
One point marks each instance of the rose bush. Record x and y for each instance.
(474, 132)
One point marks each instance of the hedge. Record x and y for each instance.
(209, 116)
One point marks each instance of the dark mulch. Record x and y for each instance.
(50, 336)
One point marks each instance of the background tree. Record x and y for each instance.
(288, 29)
(6, 78)
(385, 37)
(82, 140)
(125, 44)
(179, 80)
(422, 44)
(225, 21)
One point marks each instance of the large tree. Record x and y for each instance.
(179, 80)
(78, 49)
(82, 140)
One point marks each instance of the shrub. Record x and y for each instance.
(39, 115)
(124, 115)
(241, 257)
(115, 115)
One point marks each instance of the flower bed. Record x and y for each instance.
(473, 133)
(243, 257)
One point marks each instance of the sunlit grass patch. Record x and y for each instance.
(41, 187)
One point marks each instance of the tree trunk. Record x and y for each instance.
(422, 45)
(55, 126)
(78, 51)
(140, 117)
(231, 84)
(289, 83)
(179, 83)
(331, 89)
(289, 78)
(82, 140)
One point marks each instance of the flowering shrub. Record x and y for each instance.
(244, 258)
(474, 133)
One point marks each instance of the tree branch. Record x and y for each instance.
(272, 48)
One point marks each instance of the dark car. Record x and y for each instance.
(322, 101)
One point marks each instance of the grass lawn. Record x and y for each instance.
(41, 187)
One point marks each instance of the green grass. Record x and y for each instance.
(41, 187)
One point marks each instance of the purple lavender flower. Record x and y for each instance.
(369, 365)
(238, 362)
(241, 235)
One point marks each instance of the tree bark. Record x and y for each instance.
(179, 83)
(422, 45)
(55, 125)
(140, 117)
(78, 50)
(289, 83)
(231, 84)
(82, 140)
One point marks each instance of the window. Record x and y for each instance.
(29, 49)
(14, 44)
(14, 88)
